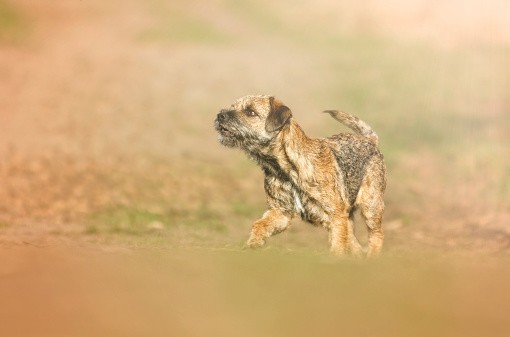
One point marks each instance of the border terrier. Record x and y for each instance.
(321, 180)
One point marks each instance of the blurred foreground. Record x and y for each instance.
(80, 292)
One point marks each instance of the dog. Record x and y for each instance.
(324, 181)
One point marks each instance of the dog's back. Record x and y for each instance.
(353, 154)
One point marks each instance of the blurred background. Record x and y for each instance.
(107, 147)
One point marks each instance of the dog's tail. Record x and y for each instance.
(355, 124)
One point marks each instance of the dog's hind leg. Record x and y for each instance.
(354, 246)
(375, 232)
(371, 203)
(342, 238)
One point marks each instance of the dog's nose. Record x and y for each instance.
(222, 115)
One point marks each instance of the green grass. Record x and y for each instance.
(176, 23)
(264, 18)
(12, 25)
(139, 221)
(246, 209)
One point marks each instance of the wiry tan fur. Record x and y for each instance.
(321, 180)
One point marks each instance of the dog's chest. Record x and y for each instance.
(284, 192)
(298, 205)
(309, 209)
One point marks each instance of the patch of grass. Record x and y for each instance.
(176, 24)
(183, 30)
(142, 221)
(203, 217)
(124, 220)
(503, 190)
(12, 25)
(264, 17)
(244, 209)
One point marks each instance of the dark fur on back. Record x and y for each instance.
(352, 153)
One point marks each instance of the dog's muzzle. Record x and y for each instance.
(221, 120)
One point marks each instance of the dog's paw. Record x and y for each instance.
(254, 243)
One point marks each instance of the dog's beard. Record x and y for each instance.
(226, 135)
(237, 135)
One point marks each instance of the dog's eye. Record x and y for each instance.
(250, 113)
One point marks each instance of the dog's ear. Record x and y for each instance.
(278, 116)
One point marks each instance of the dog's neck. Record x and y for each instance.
(287, 152)
(293, 141)
(290, 133)
(296, 149)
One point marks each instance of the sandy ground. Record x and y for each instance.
(110, 173)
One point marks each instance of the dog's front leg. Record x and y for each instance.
(272, 222)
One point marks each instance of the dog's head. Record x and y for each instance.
(251, 121)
